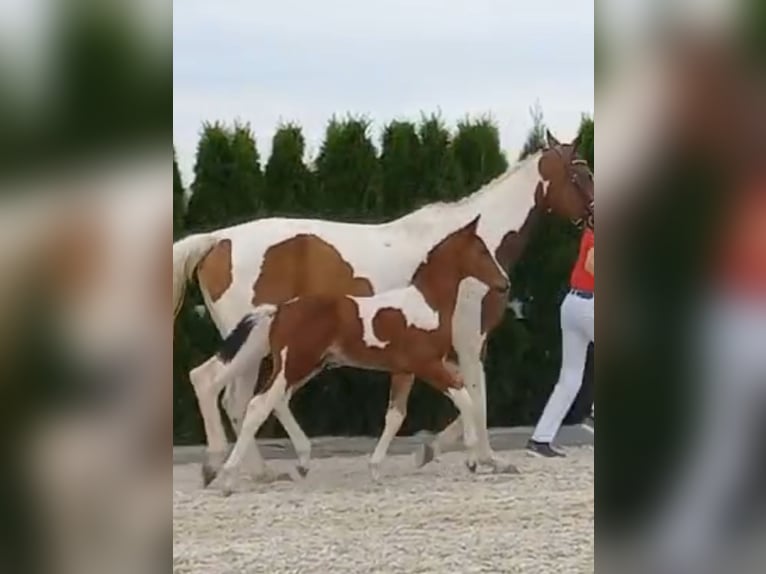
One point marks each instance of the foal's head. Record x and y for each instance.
(466, 253)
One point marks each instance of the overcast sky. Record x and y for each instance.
(303, 60)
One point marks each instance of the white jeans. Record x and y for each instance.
(577, 326)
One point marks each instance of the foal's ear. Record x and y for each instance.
(550, 140)
(472, 225)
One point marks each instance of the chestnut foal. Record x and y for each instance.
(405, 331)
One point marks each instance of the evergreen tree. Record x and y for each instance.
(227, 178)
(347, 170)
(587, 139)
(179, 202)
(287, 179)
(477, 151)
(401, 168)
(441, 179)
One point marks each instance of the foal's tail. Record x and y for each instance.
(252, 329)
(187, 253)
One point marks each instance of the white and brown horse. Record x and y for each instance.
(275, 260)
(403, 331)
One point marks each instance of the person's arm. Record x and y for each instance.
(590, 261)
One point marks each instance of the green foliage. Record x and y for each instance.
(536, 137)
(179, 203)
(401, 166)
(418, 163)
(347, 170)
(288, 182)
(477, 151)
(441, 179)
(227, 178)
(587, 139)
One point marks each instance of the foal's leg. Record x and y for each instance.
(299, 439)
(401, 384)
(451, 384)
(445, 439)
(258, 410)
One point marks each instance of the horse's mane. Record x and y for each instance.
(484, 189)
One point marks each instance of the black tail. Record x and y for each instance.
(233, 343)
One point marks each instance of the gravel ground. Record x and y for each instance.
(436, 519)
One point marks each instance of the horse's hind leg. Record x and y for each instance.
(258, 410)
(236, 397)
(401, 384)
(207, 386)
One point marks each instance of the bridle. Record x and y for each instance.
(589, 219)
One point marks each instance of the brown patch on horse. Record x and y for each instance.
(214, 271)
(305, 265)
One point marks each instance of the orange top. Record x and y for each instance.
(742, 266)
(580, 278)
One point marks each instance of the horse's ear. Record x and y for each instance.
(550, 140)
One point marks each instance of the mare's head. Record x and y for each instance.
(566, 182)
(469, 254)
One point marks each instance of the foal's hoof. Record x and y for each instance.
(302, 470)
(471, 466)
(424, 455)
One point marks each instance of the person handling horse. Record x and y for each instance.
(577, 332)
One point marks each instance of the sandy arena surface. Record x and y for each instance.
(438, 519)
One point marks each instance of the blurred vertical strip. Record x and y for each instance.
(681, 376)
(85, 237)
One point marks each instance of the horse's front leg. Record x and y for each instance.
(473, 373)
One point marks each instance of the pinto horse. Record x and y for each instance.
(275, 260)
(406, 330)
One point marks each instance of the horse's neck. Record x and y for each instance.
(438, 282)
(503, 204)
(513, 243)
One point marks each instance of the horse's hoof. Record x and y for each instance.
(471, 466)
(505, 468)
(226, 492)
(208, 475)
(424, 455)
(375, 472)
(302, 470)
